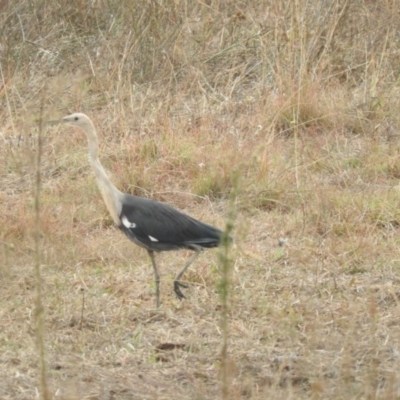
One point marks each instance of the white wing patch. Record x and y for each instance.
(125, 221)
(153, 239)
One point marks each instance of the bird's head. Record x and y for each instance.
(78, 119)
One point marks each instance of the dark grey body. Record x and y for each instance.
(159, 227)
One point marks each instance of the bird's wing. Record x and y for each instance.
(156, 224)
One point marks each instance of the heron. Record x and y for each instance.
(150, 224)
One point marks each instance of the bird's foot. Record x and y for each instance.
(177, 289)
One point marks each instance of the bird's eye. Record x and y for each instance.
(76, 118)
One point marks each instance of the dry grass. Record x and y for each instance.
(301, 100)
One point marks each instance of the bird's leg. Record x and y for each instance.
(156, 276)
(178, 284)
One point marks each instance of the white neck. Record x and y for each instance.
(111, 195)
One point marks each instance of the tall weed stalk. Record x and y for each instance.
(39, 310)
(226, 262)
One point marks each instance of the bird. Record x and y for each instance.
(150, 224)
